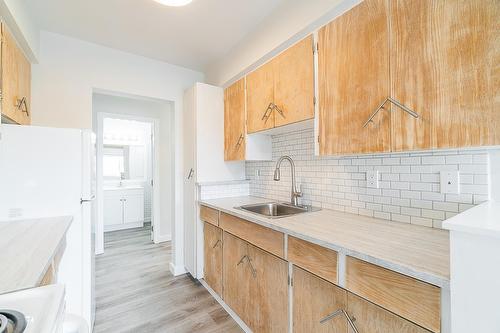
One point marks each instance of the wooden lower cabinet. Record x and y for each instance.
(255, 285)
(313, 300)
(370, 318)
(213, 257)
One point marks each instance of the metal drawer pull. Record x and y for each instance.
(22, 106)
(216, 243)
(240, 141)
(338, 313)
(191, 171)
(401, 106)
(249, 261)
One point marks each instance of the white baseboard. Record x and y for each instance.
(163, 238)
(123, 226)
(233, 315)
(176, 270)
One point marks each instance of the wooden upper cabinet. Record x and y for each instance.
(353, 75)
(16, 81)
(260, 94)
(234, 121)
(446, 66)
(294, 83)
(286, 81)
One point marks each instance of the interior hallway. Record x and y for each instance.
(135, 291)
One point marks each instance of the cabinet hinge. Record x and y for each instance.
(151, 182)
(314, 100)
(318, 139)
(317, 47)
(290, 281)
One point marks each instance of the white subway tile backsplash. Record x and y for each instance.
(409, 182)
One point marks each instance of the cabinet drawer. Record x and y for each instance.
(265, 238)
(314, 258)
(209, 215)
(410, 298)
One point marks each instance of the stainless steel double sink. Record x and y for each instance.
(276, 209)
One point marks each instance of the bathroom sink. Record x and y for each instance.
(276, 209)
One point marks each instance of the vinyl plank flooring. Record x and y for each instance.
(135, 291)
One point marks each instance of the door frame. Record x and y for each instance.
(155, 160)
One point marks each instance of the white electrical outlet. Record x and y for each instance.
(450, 182)
(372, 179)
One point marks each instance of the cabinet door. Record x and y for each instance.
(133, 208)
(269, 292)
(113, 210)
(260, 93)
(255, 285)
(236, 277)
(313, 300)
(446, 66)
(371, 318)
(294, 83)
(213, 257)
(16, 80)
(353, 80)
(234, 121)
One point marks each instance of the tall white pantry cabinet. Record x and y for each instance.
(203, 162)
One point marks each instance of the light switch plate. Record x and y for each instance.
(372, 179)
(450, 182)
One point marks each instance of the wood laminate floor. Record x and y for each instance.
(135, 291)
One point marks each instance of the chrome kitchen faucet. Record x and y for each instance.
(296, 194)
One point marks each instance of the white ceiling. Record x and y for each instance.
(192, 36)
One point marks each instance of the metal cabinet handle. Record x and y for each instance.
(338, 313)
(216, 243)
(269, 109)
(191, 171)
(381, 107)
(239, 142)
(279, 110)
(249, 261)
(22, 105)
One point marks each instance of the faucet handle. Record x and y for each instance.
(298, 190)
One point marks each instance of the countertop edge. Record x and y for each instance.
(434, 279)
(487, 213)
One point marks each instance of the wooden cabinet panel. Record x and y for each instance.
(209, 215)
(370, 318)
(353, 77)
(16, 80)
(445, 65)
(236, 278)
(265, 238)
(255, 285)
(418, 301)
(316, 259)
(260, 92)
(294, 83)
(313, 300)
(213, 257)
(234, 121)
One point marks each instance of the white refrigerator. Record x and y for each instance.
(48, 172)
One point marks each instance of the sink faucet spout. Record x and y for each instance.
(295, 193)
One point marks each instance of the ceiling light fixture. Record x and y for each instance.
(174, 3)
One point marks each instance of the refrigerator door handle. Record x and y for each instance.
(87, 200)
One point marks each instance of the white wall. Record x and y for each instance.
(287, 24)
(164, 111)
(15, 14)
(68, 72)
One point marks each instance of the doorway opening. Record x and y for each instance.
(135, 166)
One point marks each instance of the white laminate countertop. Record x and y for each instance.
(483, 219)
(416, 251)
(27, 248)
